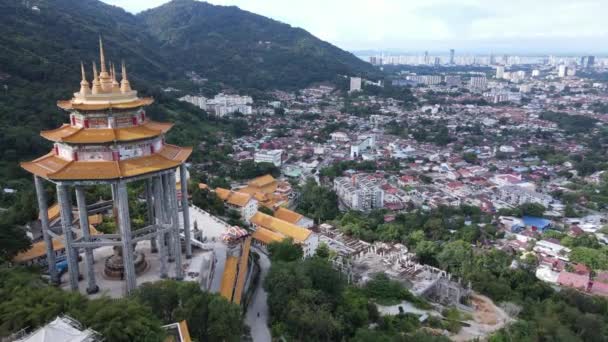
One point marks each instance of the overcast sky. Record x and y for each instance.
(547, 26)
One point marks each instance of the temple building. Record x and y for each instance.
(110, 141)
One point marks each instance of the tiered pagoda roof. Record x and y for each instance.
(108, 136)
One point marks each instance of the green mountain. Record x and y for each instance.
(42, 43)
(245, 49)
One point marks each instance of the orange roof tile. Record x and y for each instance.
(228, 277)
(288, 215)
(75, 135)
(283, 227)
(37, 250)
(243, 262)
(56, 168)
(262, 181)
(236, 198)
(267, 236)
(139, 102)
(222, 193)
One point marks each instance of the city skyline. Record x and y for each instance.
(439, 25)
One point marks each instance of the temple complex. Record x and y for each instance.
(110, 141)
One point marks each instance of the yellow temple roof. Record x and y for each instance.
(242, 277)
(53, 167)
(299, 234)
(288, 215)
(236, 198)
(267, 236)
(81, 135)
(137, 102)
(228, 277)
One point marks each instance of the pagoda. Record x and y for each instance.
(110, 141)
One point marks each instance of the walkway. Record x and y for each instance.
(259, 325)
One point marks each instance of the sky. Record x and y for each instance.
(479, 26)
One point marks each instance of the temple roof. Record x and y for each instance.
(81, 135)
(299, 234)
(72, 104)
(53, 167)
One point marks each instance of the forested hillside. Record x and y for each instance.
(43, 42)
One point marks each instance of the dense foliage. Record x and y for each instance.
(26, 301)
(310, 301)
(243, 49)
(318, 202)
(209, 316)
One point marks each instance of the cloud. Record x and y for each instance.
(431, 24)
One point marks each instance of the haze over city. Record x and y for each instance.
(542, 26)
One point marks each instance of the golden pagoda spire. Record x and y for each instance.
(104, 76)
(115, 84)
(84, 84)
(96, 89)
(125, 87)
(102, 58)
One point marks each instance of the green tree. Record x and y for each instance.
(285, 250)
(455, 256)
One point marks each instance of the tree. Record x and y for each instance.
(470, 157)
(318, 202)
(12, 241)
(266, 210)
(455, 256)
(285, 250)
(597, 259)
(209, 316)
(532, 209)
(322, 251)
(122, 320)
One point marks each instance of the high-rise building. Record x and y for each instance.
(437, 61)
(590, 61)
(561, 70)
(452, 56)
(355, 84)
(426, 58)
(500, 72)
(505, 59)
(478, 83)
(535, 73)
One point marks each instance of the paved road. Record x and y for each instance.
(259, 325)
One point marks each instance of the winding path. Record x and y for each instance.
(259, 325)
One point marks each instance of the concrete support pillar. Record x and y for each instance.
(177, 241)
(150, 207)
(183, 175)
(158, 216)
(125, 231)
(44, 222)
(166, 205)
(66, 225)
(83, 217)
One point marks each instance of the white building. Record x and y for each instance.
(223, 104)
(517, 195)
(359, 192)
(561, 71)
(339, 137)
(478, 83)
(500, 72)
(199, 101)
(363, 144)
(535, 73)
(269, 156)
(355, 84)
